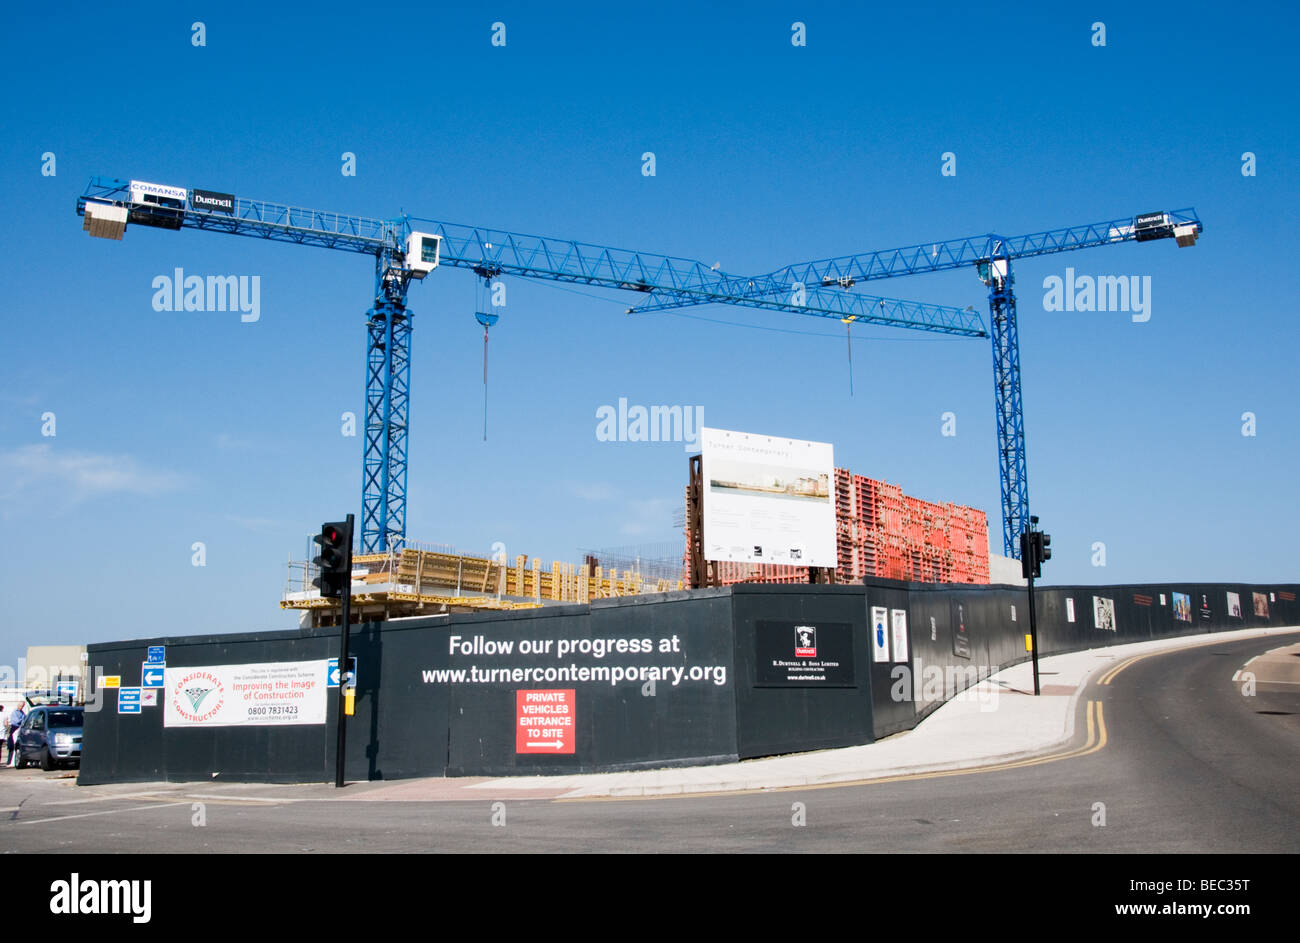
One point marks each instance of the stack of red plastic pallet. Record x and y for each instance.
(882, 532)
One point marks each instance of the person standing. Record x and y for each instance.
(15, 721)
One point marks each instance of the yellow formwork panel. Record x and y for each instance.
(427, 577)
(426, 599)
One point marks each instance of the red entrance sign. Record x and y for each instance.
(544, 721)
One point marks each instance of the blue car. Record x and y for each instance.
(51, 736)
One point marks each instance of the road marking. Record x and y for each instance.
(1106, 678)
(124, 795)
(1097, 739)
(1109, 676)
(86, 815)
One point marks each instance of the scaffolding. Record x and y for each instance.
(653, 561)
(412, 581)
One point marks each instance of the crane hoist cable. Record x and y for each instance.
(487, 319)
(848, 336)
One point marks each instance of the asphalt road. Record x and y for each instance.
(1170, 756)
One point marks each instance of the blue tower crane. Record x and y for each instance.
(991, 255)
(407, 248)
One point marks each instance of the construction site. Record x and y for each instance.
(880, 532)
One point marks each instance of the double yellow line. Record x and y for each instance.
(1108, 676)
(1096, 741)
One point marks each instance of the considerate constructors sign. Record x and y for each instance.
(267, 694)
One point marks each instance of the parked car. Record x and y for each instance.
(51, 735)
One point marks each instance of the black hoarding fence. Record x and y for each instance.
(617, 684)
(780, 708)
(651, 682)
(706, 676)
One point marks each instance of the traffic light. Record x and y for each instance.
(335, 560)
(1035, 550)
(1042, 549)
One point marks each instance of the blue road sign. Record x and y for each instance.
(151, 675)
(128, 700)
(157, 655)
(66, 689)
(334, 671)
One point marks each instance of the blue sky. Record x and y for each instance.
(175, 427)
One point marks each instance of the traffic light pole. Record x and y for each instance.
(343, 665)
(1034, 552)
(1033, 633)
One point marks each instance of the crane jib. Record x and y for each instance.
(823, 289)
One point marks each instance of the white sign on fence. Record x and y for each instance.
(267, 694)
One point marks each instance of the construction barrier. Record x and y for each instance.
(636, 682)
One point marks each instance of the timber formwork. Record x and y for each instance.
(423, 582)
(879, 531)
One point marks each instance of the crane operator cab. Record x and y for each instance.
(422, 251)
